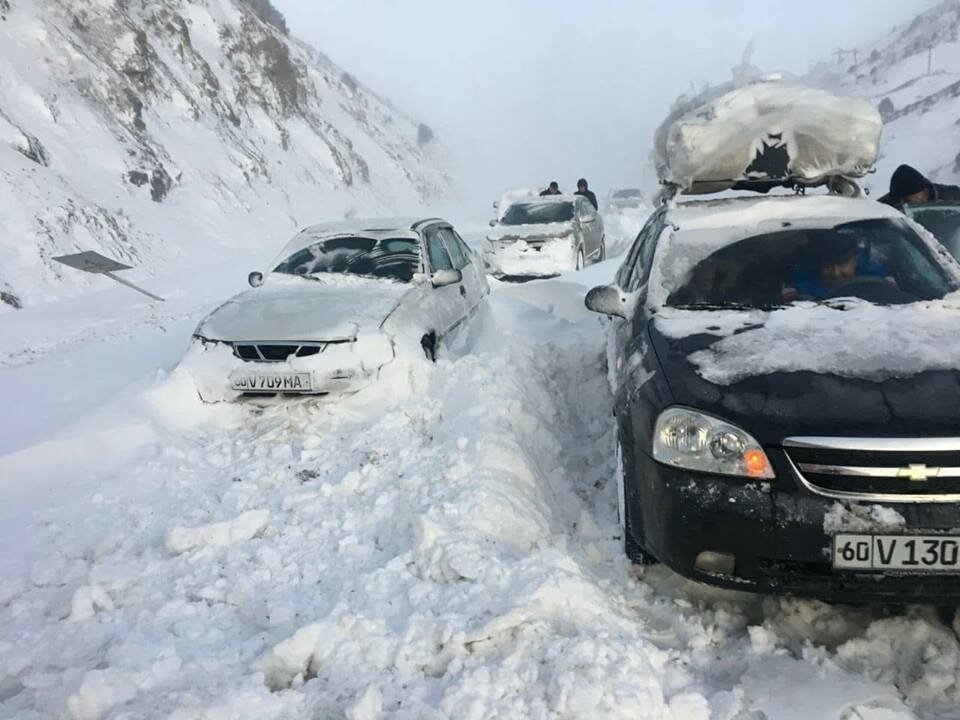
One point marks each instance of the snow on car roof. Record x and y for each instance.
(752, 211)
(545, 199)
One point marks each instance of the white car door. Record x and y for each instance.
(463, 261)
(449, 302)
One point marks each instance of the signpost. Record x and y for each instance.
(94, 262)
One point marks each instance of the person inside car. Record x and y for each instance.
(909, 187)
(583, 189)
(841, 263)
(552, 189)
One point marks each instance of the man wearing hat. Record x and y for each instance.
(909, 187)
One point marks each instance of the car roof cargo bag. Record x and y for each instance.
(767, 133)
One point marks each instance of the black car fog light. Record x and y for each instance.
(715, 563)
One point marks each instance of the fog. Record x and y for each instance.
(522, 91)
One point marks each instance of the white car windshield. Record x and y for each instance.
(537, 213)
(880, 260)
(392, 259)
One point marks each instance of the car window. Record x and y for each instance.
(633, 270)
(943, 222)
(880, 260)
(453, 249)
(390, 259)
(439, 258)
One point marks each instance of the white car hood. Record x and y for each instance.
(289, 309)
(534, 230)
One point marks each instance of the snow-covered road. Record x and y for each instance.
(443, 550)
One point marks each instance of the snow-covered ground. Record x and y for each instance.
(445, 551)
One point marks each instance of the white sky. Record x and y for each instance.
(527, 91)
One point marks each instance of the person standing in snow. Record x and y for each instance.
(553, 189)
(583, 190)
(909, 187)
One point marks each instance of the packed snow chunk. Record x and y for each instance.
(852, 517)
(789, 689)
(767, 130)
(244, 527)
(368, 707)
(100, 692)
(87, 601)
(290, 659)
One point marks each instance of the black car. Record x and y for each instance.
(787, 398)
(942, 219)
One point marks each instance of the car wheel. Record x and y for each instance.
(429, 344)
(579, 259)
(635, 554)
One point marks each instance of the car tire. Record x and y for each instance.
(634, 552)
(580, 262)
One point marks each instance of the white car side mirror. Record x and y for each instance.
(607, 300)
(255, 278)
(493, 223)
(442, 278)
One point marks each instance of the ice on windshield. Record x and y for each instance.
(538, 213)
(879, 260)
(392, 259)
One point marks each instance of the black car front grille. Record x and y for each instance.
(276, 352)
(901, 473)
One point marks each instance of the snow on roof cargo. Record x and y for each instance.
(765, 134)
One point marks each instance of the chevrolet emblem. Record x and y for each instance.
(918, 473)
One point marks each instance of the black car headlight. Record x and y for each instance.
(695, 441)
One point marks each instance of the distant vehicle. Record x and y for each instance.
(545, 236)
(786, 393)
(626, 199)
(942, 219)
(340, 303)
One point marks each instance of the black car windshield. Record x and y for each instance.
(943, 222)
(878, 260)
(536, 213)
(392, 259)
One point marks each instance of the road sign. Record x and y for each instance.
(93, 262)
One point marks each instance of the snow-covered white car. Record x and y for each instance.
(626, 199)
(545, 236)
(340, 302)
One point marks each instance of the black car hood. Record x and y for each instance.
(775, 404)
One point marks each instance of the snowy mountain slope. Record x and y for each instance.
(921, 109)
(157, 132)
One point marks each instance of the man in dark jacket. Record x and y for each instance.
(909, 187)
(583, 190)
(553, 189)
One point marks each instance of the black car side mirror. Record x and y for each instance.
(607, 300)
(255, 278)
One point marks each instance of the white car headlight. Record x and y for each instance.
(692, 440)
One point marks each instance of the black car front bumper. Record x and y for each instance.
(775, 533)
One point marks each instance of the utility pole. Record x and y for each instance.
(839, 56)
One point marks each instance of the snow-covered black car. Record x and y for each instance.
(942, 219)
(787, 397)
(340, 303)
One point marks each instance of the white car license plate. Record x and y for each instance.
(271, 382)
(905, 553)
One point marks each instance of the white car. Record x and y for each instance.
(626, 199)
(341, 302)
(545, 236)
